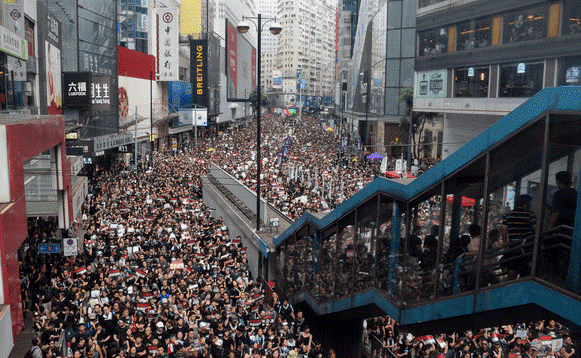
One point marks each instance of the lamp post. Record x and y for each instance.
(366, 97)
(275, 29)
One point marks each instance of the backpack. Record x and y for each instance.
(28, 353)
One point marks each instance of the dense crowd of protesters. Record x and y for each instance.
(158, 276)
(305, 168)
(544, 338)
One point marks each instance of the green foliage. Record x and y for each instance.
(264, 99)
(419, 119)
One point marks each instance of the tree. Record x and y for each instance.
(419, 119)
(253, 96)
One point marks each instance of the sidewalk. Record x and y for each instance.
(23, 341)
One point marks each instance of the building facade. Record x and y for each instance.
(375, 61)
(307, 45)
(476, 61)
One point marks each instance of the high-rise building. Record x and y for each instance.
(133, 24)
(307, 44)
(375, 61)
(268, 8)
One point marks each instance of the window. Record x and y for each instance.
(424, 3)
(526, 25)
(474, 34)
(471, 82)
(433, 42)
(572, 19)
(570, 72)
(521, 79)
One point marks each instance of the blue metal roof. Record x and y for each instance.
(518, 294)
(555, 99)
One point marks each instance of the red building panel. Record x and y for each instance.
(25, 140)
(135, 64)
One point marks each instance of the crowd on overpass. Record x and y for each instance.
(544, 338)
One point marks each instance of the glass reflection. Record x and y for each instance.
(328, 264)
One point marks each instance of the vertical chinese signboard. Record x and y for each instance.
(167, 24)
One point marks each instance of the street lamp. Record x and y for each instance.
(365, 88)
(275, 29)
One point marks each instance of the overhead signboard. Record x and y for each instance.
(167, 24)
(49, 248)
(13, 44)
(112, 141)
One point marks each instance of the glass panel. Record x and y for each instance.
(420, 263)
(526, 25)
(570, 71)
(314, 261)
(303, 266)
(392, 73)
(515, 178)
(474, 34)
(391, 102)
(409, 14)
(328, 264)
(433, 42)
(561, 196)
(393, 44)
(407, 73)
(394, 14)
(39, 180)
(572, 19)
(292, 274)
(382, 245)
(365, 244)
(471, 82)
(521, 80)
(408, 42)
(346, 251)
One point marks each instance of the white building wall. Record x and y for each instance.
(459, 129)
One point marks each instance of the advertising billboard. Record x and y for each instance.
(179, 95)
(241, 64)
(199, 71)
(431, 84)
(49, 48)
(77, 89)
(277, 79)
(197, 117)
(190, 17)
(232, 65)
(167, 25)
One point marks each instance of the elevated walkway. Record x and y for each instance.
(363, 258)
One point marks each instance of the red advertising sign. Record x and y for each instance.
(233, 55)
(253, 68)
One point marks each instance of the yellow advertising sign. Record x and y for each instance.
(191, 17)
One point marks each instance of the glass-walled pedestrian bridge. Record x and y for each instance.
(371, 254)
